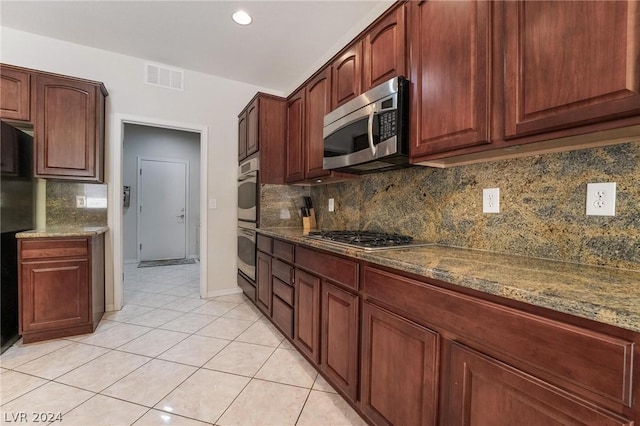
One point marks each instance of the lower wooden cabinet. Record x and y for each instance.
(263, 282)
(485, 391)
(61, 288)
(307, 314)
(405, 350)
(399, 375)
(339, 338)
(283, 316)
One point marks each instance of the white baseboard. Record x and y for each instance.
(109, 308)
(224, 292)
(130, 261)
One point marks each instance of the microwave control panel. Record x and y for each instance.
(387, 124)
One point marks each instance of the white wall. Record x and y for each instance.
(158, 142)
(206, 101)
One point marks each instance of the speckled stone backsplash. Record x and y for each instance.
(542, 203)
(280, 205)
(61, 204)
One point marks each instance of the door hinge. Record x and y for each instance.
(140, 246)
(140, 172)
(140, 209)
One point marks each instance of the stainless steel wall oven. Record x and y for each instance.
(248, 199)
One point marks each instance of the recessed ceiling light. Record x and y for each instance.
(241, 17)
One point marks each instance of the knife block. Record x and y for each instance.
(309, 223)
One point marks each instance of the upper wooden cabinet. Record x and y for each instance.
(242, 135)
(69, 130)
(346, 70)
(295, 136)
(68, 118)
(384, 50)
(570, 63)
(15, 90)
(379, 55)
(306, 109)
(317, 105)
(261, 128)
(490, 75)
(253, 127)
(450, 72)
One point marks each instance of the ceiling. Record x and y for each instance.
(286, 42)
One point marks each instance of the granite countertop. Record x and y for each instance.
(606, 295)
(83, 231)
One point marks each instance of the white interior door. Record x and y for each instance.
(162, 208)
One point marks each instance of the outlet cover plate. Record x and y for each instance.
(81, 201)
(491, 200)
(601, 199)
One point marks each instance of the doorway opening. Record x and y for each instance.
(170, 193)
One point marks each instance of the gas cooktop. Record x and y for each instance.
(367, 240)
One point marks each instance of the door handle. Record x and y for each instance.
(372, 147)
(181, 216)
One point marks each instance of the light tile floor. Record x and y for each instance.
(170, 358)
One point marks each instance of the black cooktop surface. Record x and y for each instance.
(367, 240)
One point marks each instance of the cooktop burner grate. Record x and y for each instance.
(366, 239)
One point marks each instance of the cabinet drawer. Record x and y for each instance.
(341, 271)
(265, 244)
(283, 250)
(283, 316)
(52, 248)
(282, 271)
(282, 290)
(572, 357)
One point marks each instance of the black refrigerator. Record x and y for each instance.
(17, 213)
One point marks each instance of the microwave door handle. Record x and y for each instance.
(370, 131)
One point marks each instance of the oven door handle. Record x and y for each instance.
(372, 147)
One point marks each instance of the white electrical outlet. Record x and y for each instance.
(81, 201)
(491, 200)
(213, 203)
(331, 206)
(601, 199)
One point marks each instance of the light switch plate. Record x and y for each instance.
(331, 207)
(601, 199)
(491, 200)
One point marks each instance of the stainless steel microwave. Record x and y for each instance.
(371, 132)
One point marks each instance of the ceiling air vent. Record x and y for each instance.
(163, 76)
